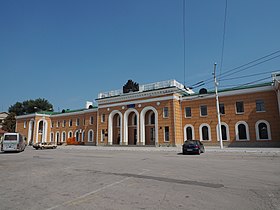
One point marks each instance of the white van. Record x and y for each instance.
(13, 142)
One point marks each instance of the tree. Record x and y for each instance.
(31, 106)
(9, 123)
(26, 107)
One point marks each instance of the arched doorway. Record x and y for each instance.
(131, 127)
(149, 126)
(115, 128)
(42, 131)
(30, 139)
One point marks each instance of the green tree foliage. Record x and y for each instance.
(30, 106)
(25, 107)
(9, 123)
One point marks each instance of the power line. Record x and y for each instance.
(223, 43)
(232, 71)
(250, 75)
(184, 40)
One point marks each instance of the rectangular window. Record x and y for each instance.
(222, 108)
(102, 135)
(57, 124)
(239, 107)
(52, 124)
(203, 110)
(91, 120)
(103, 118)
(64, 123)
(188, 112)
(24, 124)
(77, 122)
(165, 112)
(70, 123)
(260, 106)
(166, 133)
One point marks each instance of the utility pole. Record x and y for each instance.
(218, 108)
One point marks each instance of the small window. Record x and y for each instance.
(166, 133)
(203, 110)
(70, 123)
(165, 112)
(91, 120)
(260, 106)
(239, 107)
(57, 124)
(188, 112)
(103, 118)
(222, 108)
(77, 122)
(64, 123)
(102, 135)
(52, 124)
(24, 124)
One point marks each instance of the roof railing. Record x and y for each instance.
(146, 87)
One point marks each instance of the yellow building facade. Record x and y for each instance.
(164, 114)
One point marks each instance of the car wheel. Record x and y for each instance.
(199, 152)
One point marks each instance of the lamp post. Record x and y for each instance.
(218, 108)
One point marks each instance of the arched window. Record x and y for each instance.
(52, 137)
(242, 131)
(63, 136)
(83, 136)
(77, 135)
(205, 132)
(263, 130)
(57, 137)
(70, 134)
(225, 132)
(189, 132)
(90, 136)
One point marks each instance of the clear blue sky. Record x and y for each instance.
(68, 51)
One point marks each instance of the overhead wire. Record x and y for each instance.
(223, 42)
(237, 69)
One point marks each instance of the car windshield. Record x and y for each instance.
(10, 138)
(191, 142)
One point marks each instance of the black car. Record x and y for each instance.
(193, 147)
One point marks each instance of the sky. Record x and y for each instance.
(68, 51)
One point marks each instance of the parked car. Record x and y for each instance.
(44, 145)
(193, 147)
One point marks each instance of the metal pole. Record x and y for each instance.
(218, 108)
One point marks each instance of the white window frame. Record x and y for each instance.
(247, 131)
(236, 107)
(57, 138)
(165, 112)
(206, 111)
(209, 132)
(227, 129)
(91, 120)
(168, 133)
(263, 105)
(52, 137)
(186, 112)
(63, 134)
(90, 139)
(69, 134)
(185, 131)
(77, 121)
(257, 130)
(103, 118)
(24, 124)
(70, 123)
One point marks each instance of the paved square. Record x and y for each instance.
(84, 177)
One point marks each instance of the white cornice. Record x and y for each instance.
(32, 115)
(230, 93)
(137, 95)
(140, 101)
